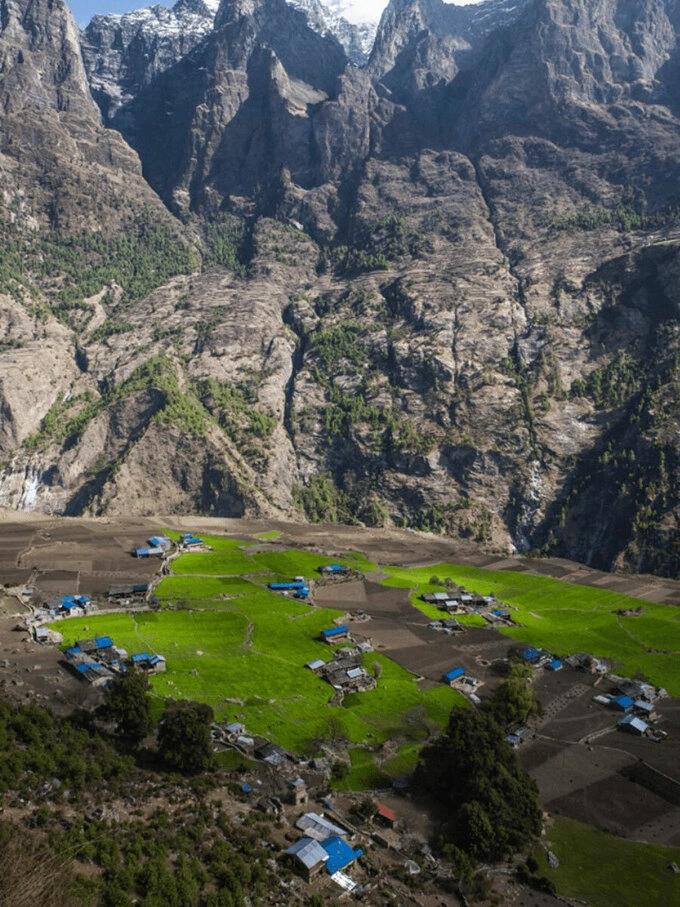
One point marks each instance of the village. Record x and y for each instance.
(332, 840)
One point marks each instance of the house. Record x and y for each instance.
(140, 660)
(308, 858)
(529, 655)
(235, 729)
(340, 854)
(318, 827)
(333, 570)
(554, 665)
(634, 725)
(94, 673)
(453, 675)
(149, 552)
(271, 753)
(518, 735)
(385, 816)
(315, 665)
(438, 598)
(133, 590)
(334, 634)
(298, 791)
(42, 634)
(160, 541)
(451, 625)
(645, 708)
(622, 703)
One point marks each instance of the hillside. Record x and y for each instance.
(436, 290)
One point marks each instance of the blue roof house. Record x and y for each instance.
(622, 703)
(453, 675)
(334, 633)
(340, 854)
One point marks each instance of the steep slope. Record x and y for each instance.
(83, 235)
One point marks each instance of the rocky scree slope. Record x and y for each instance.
(438, 290)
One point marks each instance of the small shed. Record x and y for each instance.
(315, 665)
(554, 665)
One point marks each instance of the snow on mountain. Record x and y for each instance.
(356, 35)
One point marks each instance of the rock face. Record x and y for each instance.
(438, 290)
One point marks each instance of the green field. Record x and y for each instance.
(606, 871)
(231, 643)
(567, 618)
(253, 648)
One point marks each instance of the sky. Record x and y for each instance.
(357, 10)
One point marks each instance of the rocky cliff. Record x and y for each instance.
(438, 290)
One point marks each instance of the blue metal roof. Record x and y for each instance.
(554, 665)
(141, 656)
(74, 650)
(528, 653)
(454, 674)
(103, 642)
(334, 631)
(340, 854)
(622, 702)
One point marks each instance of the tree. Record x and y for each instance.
(493, 801)
(184, 741)
(128, 703)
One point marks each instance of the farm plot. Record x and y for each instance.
(566, 618)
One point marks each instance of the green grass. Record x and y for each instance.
(177, 588)
(306, 563)
(363, 775)
(567, 618)
(606, 871)
(272, 535)
(234, 562)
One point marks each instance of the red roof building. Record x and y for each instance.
(386, 815)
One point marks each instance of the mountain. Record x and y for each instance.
(123, 53)
(439, 289)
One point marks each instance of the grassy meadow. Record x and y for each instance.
(607, 871)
